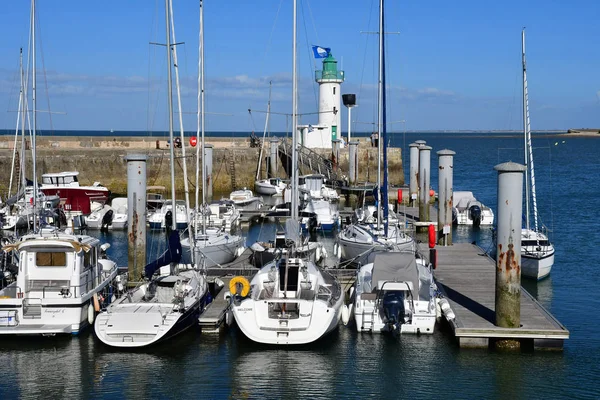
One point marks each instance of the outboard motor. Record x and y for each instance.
(107, 220)
(475, 214)
(393, 307)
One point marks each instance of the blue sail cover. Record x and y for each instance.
(171, 255)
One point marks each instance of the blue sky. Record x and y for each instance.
(454, 65)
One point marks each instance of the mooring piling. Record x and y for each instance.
(508, 255)
(136, 215)
(445, 192)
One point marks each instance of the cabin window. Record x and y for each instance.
(334, 90)
(51, 259)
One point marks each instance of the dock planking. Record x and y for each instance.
(467, 278)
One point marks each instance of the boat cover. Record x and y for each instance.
(396, 267)
(171, 255)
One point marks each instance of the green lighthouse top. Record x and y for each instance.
(330, 71)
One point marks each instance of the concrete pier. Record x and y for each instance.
(335, 153)
(353, 162)
(208, 165)
(136, 215)
(508, 260)
(274, 146)
(424, 183)
(445, 192)
(414, 175)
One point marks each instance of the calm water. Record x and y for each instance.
(349, 365)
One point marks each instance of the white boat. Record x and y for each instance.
(166, 305)
(155, 198)
(214, 247)
(100, 218)
(396, 293)
(289, 302)
(378, 228)
(223, 215)
(119, 206)
(244, 199)
(537, 252)
(326, 215)
(60, 283)
(360, 243)
(270, 187)
(469, 211)
(158, 219)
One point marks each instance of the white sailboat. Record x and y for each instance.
(358, 243)
(168, 303)
(537, 253)
(213, 245)
(291, 300)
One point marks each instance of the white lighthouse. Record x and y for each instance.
(329, 127)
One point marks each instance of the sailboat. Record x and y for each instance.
(358, 243)
(537, 253)
(213, 245)
(289, 301)
(174, 294)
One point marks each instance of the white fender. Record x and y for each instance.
(345, 314)
(350, 310)
(318, 253)
(335, 248)
(339, 251)
(91, 314)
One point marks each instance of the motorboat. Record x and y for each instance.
(74, 199)
(119, 206)
(325, 214)
(155, 198)
(244, 199)
(270, 187)
(168, 303)
(62, 280)
(222, 214)
(469, 211)
(358, 244)
(396, 293)
(159, 219)
(100, 218)
(290, 301)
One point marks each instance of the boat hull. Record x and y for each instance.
(536, 267)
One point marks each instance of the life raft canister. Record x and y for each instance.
(239, 280)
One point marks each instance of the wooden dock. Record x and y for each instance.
(467, 278)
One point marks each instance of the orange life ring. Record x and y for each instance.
(239, 280)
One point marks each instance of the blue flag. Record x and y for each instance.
(321, 52)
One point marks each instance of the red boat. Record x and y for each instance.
(74, 199)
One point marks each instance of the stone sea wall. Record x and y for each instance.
(101, 159)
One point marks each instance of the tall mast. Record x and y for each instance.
(181, 130)
(202, 113)
(379, 113)
(262, 147)
(294, 205)
(528, 145)
(34, 176)
(383, 136)
(20, 119)
(170, 101)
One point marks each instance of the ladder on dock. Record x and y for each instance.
(232, 169)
